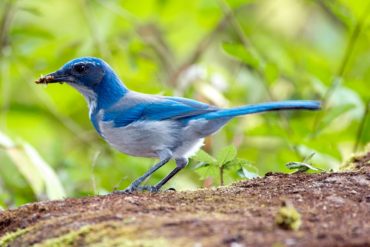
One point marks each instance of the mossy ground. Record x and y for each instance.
(334, 210)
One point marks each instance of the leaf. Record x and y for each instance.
(26, 168)
(35, 170)
(325, 159)
(302, 167)
(225, 155)
(203, 156)
(248, 171)
(239, 52)
(22, 163)
(244, 173)
(207, 171)
(53, 186)
(199, 165)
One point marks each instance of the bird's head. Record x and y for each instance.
(91, 76)
(84, 72)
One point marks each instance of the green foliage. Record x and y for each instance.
(225, 161)
(302, 166)
(42, 179)
(227, 53)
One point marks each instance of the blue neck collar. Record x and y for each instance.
(109, 91)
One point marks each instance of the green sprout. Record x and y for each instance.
(224, 161)
(303, 166)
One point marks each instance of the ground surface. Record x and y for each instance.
(334, 209)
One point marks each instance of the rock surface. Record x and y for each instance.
(334, 209)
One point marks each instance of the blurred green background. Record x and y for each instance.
(226, 53)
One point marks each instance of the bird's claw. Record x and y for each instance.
(130, 189)
(148, 188)
(125, 191)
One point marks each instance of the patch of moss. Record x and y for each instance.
(125, 242)
(66, 239)
(355, 158)
(350, 164)
(288, 218)
(104, 234)
(11, 236)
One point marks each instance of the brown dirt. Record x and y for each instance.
(334, 209)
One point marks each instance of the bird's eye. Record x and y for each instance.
(80, 68)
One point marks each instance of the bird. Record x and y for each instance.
(146, 125)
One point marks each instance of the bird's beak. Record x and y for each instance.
(53, 78)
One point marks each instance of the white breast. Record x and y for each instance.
(141, 138)
(188, 148)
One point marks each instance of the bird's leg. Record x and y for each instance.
(164, 156)
(180, 164)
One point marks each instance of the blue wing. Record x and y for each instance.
(140, 107)
(162, 108)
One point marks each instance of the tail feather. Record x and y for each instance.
(263, 107)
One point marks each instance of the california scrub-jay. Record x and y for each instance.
(150, 125)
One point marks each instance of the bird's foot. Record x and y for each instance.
(132, 189)
(153, 189)
(148, 188)
(125, 191)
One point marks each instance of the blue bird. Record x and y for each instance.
(149, 125)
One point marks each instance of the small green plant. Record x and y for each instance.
(224, 161)
(303, 166)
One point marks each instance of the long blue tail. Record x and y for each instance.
(268, 106)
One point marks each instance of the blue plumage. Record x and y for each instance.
(263, 107)
(150, 125)
(162, 110)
